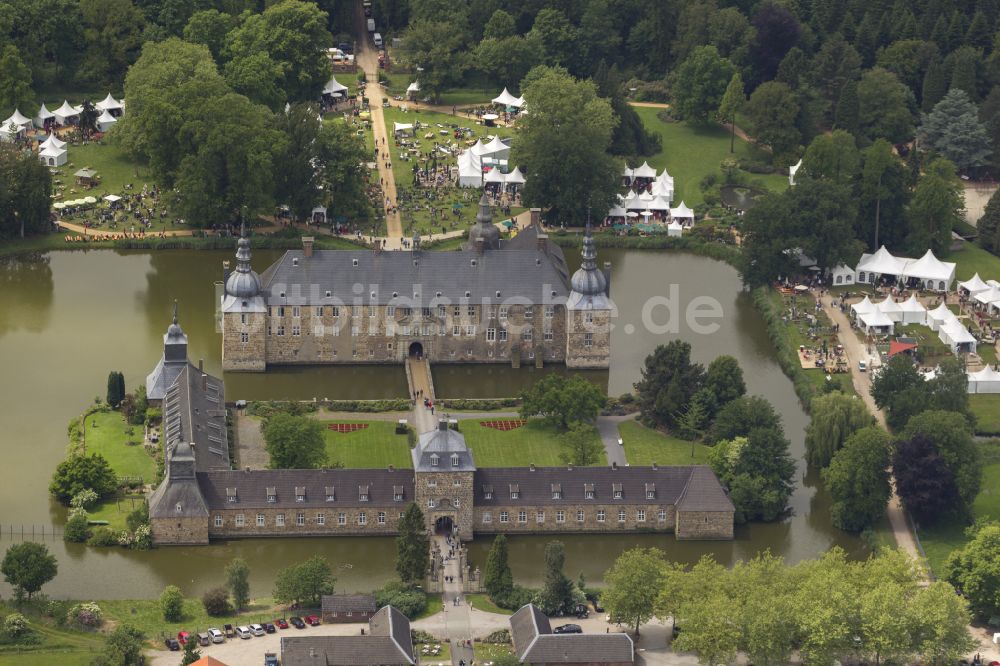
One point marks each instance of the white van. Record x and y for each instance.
(371, 25)
(377, 38)
(244, 632)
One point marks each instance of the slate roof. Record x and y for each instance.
(388, 643)
(536, 487)
(535, 643)
(443, 443)
(704, 493)
(342, 603)
(179, 490)
(194, 411)
(252, 487)
(527, 239)
(529, 274)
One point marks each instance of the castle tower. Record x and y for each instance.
(178, 513)
(174, 360)
(244, 315)
(443, 480)
(484, 235)
(588, 313)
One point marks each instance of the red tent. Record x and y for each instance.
(896, 347)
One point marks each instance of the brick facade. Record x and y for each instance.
(566, 518)
(181, 531)
(704, 525)
(588, 338)
(335, 521)
(447, 495)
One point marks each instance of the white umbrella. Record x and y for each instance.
(801, 287)
(58, 205)
(632, 213)
(89, 200)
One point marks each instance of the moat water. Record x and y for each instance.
(67, 318)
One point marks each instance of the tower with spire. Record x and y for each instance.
(174, 359)
(588, 312)
(243, 314)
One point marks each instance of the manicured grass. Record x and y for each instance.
(986, 408)
(691, 152)
(535, 442)
(376, 446)
(435, 604)
(972, 259)
(115, 511)
(987, 352)
(482, 602)
(147, 616)
(940, 540)
(57, 646)
(644, 446)
(106, 434)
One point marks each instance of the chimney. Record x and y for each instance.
(569, 467)
(607, 278)
(201, 365)
(531, 467)
(247, 469)
(225, 271)
(480, 245)
(392, 468)
(536, 216)
(443, 425)
(307, 246)
(614, 465)
(543, 242)
(654, 467)
(204, 382)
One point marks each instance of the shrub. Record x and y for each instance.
(103, 537)
(419, 636)
(499, 637)
(267, 409)
(142, 539)
(153, 415)
(410, 600)
(77, 529)
(87, 615)
(78, 473)
(172, 603)
(15, 625)
(755, 166)
(216, 602)
(85, 499)
(517, 597)
(480, 405)
(138, 517)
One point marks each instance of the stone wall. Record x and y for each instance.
(247, 356)
(704, 525)
(312, 525)
(179, 531)
(598, 353)
(452, 494)
(488, 519)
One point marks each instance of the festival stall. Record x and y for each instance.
(42, 116)
(890, 309)
(682, 214)
(106, 121)
(939, 316)
(956, 336)
(973, 286)
(913, 311)
(111, 105)
(876, 323)
(842, 274)
(53, 157)
(986, 380)
(67, 114)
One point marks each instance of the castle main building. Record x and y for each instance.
(494, 302)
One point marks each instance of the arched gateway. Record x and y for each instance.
(443, 470)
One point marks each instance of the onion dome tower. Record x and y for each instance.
(243, 282)
(484, 229)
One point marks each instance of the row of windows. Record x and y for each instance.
(494, 311)
(581, 516)
(240, 519)
(492, 334)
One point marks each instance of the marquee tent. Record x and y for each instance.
(842, 274)
(633, 202)
(496, 149)
(627, 172)
(17, 118)
(478, 148)
(470, 169)
(682, 212)
(674, 229)
(986, 380)
(10, 132)
(659, 203)
(881, 262)
(105, 121)
(333, 86)
(52, 156)
(974, 285)
(933, 273)
(112, 198)
(616, 211)
(956, 336)
(663, 188)
(891, 309)
(644, 171)
(515, 177)
(413, 90)
(52, 141)
(864, 307)
(792, 170)
(43, 115)
(66, 113)
(990, 297)
(876, 323)
(494, 176)
(506, 99)
(939, 316)
(110, 104)
(402, 128)
(913, 311)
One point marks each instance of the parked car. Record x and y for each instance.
(203, 639)
(581, 611)
(216, 635)
(312, 620)
(598, 608)
(269, 628)
(297, 622)
(230, 632)
(270, 659)
(568, 629)
(863, 366)
(257, 630)
(281, 623)
(182, 637)
(172, 644)
(244, 632)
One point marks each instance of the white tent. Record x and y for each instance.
(956, 336)
(109, 103)
(17, 119)
(333, 86)
(616, 211)
(880, 263)
(891, 309)
(791, 171)
(933, 273)
(633, 202)
(52, 141)
(627, 173)
(974, 285)
(496, 149)
(990, 297)
(986, 380)
(10, 132)
(413, 89)
(842, 274)
(105, 121)
(494, 176)
(913, 311)
(402, 128)
(515, 177)
(112, 198)
(478, 148)
(506, 99)
(470, 169)
(65, 114)
(644, 171)
(663, 188)
(682, 212)
(43, 115)
(939, 316)
(659, 203)
(864, 307)
(876, 323)
(52, 156)
(674, 229)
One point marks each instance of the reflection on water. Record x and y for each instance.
(68, 318)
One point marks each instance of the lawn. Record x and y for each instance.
(435, 604)
(57, 646)
(940, 540)
(376, 446)
(479, 92)
(114, 511)
(482, 602)
(107, 433)
(972, 259)
(534, 443)
(644, 446)
(147, 616)
(487, 652)
(690, 153)
(986, 408)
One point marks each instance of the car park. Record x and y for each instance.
(297, 622)
(182, 637)
(257, 630)
(281, 623)
(568, 629)
(203, 639)
(216, 635)
(312, 620)
(172, 644)
(244, 632)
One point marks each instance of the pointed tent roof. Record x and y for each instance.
(663, 188)
(495, 146)
(516, 176)
(682, 211)
(333, 86)
(929, 267)
(106, 117)
(413, 87)
(659, 203)
(864, 307)
(987, 374)
(941, 313)
(17, 118)
(43, 115)
(875, 319)
(627, 172)
(645, 196)
(665, 176)
(888, 306)
(912, 305)
(795, 167)
(108, 103)
(644, 171)
(53, 141)
(52, 151)
(974, 285)
(506, 99)
(66, 110)
(882, 263)
(633, 202)
(616, 211)
(494, 176)
(401, 127)
(991, 295)
(478, 148)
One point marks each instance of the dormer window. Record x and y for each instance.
(272, 494)
(556, 491)
(231, 495)
(362, 493)
(435, 459)
(178, 508)
(515, 491)
(300, 493)
(588, 491)
(616, 490)
(650, 491)
(397, 493)
(354, 261)
(488, 492)
(454, 460)
(330, 494)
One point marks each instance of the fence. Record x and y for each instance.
(30, 532)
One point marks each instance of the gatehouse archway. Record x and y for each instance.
(416, 350)
(443, 525)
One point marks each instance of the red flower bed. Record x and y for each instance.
(346, 427)
(503, 425)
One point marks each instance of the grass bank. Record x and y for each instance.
(645, 446)
(52, 644)
(482, 602)
(986, 408)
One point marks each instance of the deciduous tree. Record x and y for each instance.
(924, 482)
(557, 594)
(238, 582)
(772, 112)
(295, 442)
(975, 570)
(304, 583)
(581, 445)
(78, 473)
(758, 471)
(858, 480)
(936, 208)
(435, 47)
(700, 83)
(15, 82)
(27, 566)
(172, 603)
(563, 400)
(835, 417)
(497, 577)
(633, 583)
(884, 107)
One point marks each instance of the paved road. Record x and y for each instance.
(607, 426)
